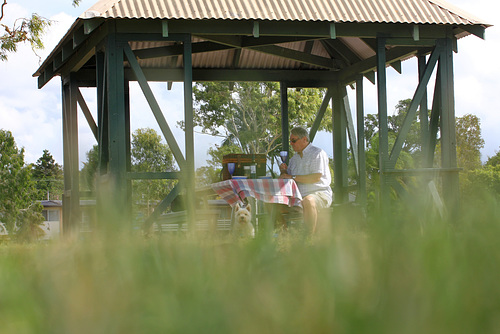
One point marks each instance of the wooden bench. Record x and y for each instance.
(206, 220)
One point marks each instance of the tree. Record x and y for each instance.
(469, 141)
(206, 175)
(247, 114)
(412, 142)
(23, 30)
(16, 186)
(211, 173)
(89, 170)
(48, 177)
(477, 184)
(149, 154)
(29, 223)
(494, 161)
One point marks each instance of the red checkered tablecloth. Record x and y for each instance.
(280, 191)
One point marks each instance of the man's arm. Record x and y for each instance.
(309, 178)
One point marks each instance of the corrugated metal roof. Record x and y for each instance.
(361, 11)
(310, 52)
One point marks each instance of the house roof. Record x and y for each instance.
(247, 35)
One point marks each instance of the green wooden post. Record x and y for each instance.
(448, 136)
(424, 117)
(188, 170)
(71, 196)
(117, 125)
(383, 125)
(285, 134)
(102, 113)
(360, 117)
(339, 145)
(128, 154)
(434, 121)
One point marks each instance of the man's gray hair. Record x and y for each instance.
(300, 132)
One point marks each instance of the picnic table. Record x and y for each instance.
(263, 190)
(267, 190)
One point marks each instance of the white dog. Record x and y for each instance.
(243, 221)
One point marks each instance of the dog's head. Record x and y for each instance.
(243, 214)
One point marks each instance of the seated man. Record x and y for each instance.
(309, 168)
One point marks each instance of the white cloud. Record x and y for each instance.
(32, 115)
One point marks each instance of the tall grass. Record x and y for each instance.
(379, 276)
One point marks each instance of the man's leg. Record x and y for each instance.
(310, 213)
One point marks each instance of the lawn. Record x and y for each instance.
(410, 275)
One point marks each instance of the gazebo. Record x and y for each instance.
(308, 43)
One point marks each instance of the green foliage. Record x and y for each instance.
(48, 177)
(412, 143)
(476, 182)
(248, 114)
(16, 185)
(494, 160)
(469, 141)
(409, 156)
(381, 277)
(89, 171)
(413, 139)
(207, 175)
(24, 30)
(29, 223)
(212, 173)
(149, 154)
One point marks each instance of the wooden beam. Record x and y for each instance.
(188, 171)
(340, 173)
(350, 128)
(360, 117)
(306, 78)
(381, 61)
(73, 60)
(297, 56)
(412, 109)
(318, 29)
(447, 126)
(89, 25)
(476, 30)
(153, 175)
(349, 74)
(256, 31)
(87, 114)
(277, 51)
(333, 31)
(341, 51)
(285, 134)
(321, 113)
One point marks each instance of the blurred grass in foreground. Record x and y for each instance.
(385, 276)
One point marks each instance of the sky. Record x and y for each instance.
(34, 115)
